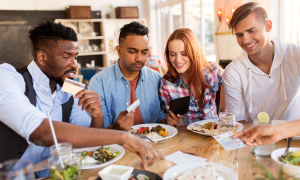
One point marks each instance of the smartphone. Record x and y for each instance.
(180, 105)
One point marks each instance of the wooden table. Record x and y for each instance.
(240, 160)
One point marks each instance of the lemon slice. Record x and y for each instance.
(263, 117)
(58, 175)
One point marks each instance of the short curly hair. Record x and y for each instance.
(133, 28)
(46, 34)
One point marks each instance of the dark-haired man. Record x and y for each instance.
(266, 72)
(23, 116)
(127, 80)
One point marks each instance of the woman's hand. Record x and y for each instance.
(172, 119)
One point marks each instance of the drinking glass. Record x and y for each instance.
(63, 155)
(225, 123)
(16, 170)
(264, 150)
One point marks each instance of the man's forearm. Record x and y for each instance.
(78, 136)
(289, 129)
(97, 122)
(115, 126)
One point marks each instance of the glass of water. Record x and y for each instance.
(16, 170)
(225, 123)
(264, 150)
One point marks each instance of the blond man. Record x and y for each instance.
(267, 71)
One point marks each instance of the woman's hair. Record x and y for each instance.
(198, 64)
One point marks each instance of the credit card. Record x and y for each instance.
(72, 87)
(228, 142)
(133, 106)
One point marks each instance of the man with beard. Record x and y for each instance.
(127, 80)
(23, 118)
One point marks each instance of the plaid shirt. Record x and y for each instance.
(169, 91)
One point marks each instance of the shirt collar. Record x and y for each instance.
(279, 51)
(118, 72)
(180, 82)
(120, 75)
(36, 73)
(40, 78)
(278, 55)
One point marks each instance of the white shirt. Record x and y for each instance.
(21, 116)
(248, 90)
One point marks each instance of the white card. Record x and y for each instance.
(133, 106)
(182, 158)
(72, 87)
(228, 142)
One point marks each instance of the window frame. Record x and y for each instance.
(170, 3)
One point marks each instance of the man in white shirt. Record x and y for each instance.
(55, 58)
(266, 74)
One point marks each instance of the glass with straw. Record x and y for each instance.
(63, 164)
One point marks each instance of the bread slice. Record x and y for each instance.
(197, 127)
(208, 172)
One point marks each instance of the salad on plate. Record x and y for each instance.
(99, 156)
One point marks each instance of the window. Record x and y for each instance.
(197, 15)
(291, 22)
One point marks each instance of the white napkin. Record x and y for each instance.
(181, 158)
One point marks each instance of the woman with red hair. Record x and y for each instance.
(189, 74)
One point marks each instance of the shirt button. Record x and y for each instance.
(126, 103)
(46, 80)
(126, 85)
(46, 90)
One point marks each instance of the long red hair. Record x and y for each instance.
(198, 64)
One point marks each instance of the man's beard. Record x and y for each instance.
(60, 80)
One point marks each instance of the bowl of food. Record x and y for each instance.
(291, 163)
(116, 172)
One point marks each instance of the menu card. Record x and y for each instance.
(182, 158)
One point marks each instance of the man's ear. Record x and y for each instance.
(41, 57)
(118, 48)
(268, 25)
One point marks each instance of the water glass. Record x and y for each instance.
(225, 123)
(16, 170)
(264, 150)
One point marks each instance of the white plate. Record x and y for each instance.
(113, 148)
(172, 130)
(240, 126)
(283, 121)
(225, 172)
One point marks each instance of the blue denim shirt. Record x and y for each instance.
(114, 91)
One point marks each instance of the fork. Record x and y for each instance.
(286, 152)
(143, 136)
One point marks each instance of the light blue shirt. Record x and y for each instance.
(21, 116)
(114, 91)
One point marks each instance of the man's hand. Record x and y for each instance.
(172, 119)
(259, 135)
(124, 121)
(143, 149)
(90, 101)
